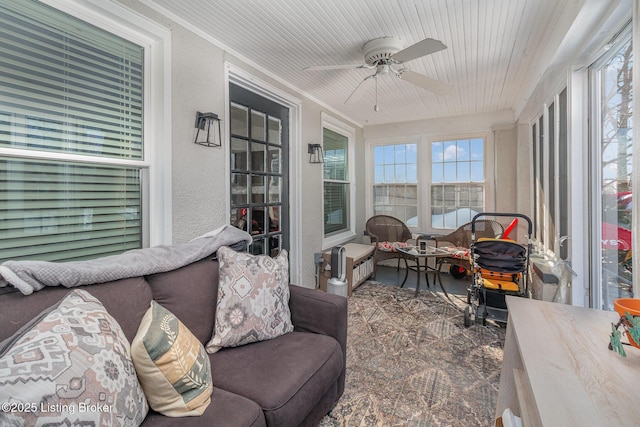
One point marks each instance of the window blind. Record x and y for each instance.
(71, 88)
(56, 211)
(67, 86)
(336, 207)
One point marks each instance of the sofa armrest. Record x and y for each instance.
(319, 312)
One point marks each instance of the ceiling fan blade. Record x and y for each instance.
(432, 85)
(360, 90)
(333, 67)
(422, 48)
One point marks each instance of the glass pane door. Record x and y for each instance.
(259, 171)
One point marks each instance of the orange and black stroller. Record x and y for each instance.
(500, 267)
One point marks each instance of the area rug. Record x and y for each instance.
(411, 362)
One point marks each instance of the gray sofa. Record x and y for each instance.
(291, 380)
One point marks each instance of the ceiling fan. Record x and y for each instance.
(387, 56)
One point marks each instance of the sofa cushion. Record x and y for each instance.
(226, 409)
(190, 293)
(73, 354)
(287, 376)
(172, 365)
(126, 300)
(253, 299)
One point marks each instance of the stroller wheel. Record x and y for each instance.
(457, 272)
(467, 316)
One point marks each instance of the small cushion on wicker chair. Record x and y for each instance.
(391, 246)
(458, 252)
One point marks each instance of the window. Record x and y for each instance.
(563, 175)
(336, 182)
(536, 178)
(337, 174)
(551, 164)
(550, 176)
(72, 158)
(457, 181)
(395, 182)
(538, 181)
(612, 91)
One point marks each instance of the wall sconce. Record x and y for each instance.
(315, 153)
(209, 133)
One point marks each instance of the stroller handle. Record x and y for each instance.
(510, 215)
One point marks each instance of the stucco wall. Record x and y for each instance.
(197, 84)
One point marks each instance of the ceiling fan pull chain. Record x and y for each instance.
(375, 107)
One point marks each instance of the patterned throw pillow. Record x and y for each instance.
(172, 365)
(70, 366)
(253, 299)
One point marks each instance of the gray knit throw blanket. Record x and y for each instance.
(30, 276)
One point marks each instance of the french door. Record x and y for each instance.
(259, 130)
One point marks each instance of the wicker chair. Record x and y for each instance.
(385, 228)
(461, 237)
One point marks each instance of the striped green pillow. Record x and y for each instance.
(172, 365)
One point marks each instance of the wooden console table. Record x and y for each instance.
(557, 369)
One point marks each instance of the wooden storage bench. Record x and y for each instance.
(359, 265)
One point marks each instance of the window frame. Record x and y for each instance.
(349, 233)
(599, 258)
(549, 175)
(429, 171)
(372, 184)
(424, 142)
(155, 167)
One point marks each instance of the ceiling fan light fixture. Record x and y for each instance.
(387, 55)
(383, 69)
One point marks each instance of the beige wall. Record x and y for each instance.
(505, 167)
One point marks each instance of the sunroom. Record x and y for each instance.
(147, 124)
(532, 112)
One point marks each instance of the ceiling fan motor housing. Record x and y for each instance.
(381, 49)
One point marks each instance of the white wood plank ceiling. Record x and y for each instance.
(496, 48)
